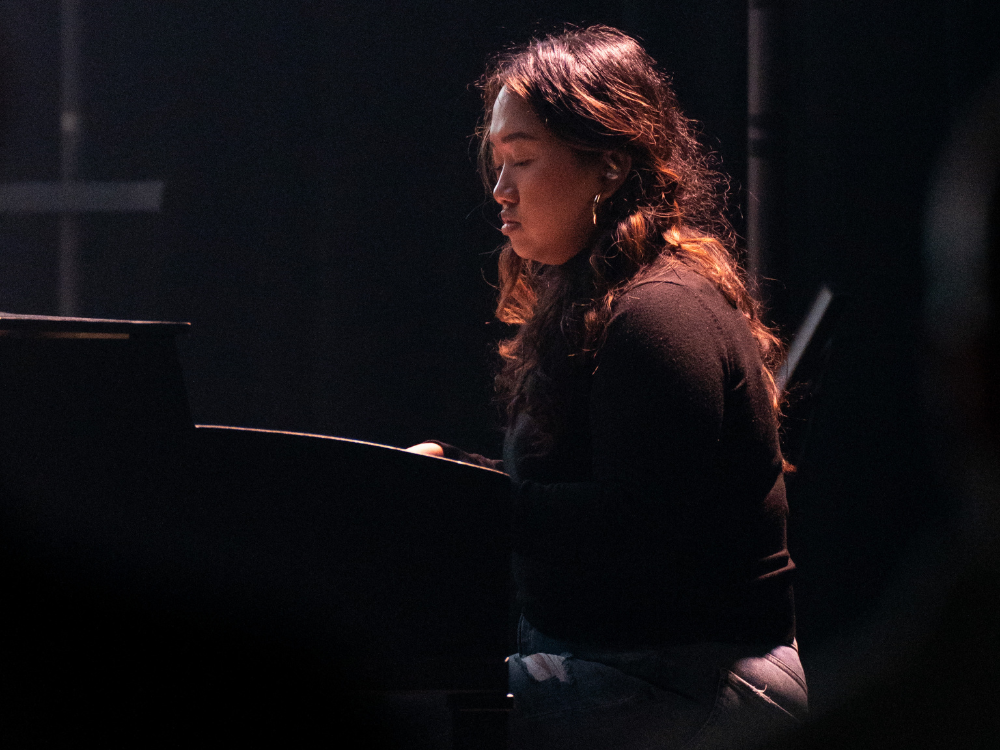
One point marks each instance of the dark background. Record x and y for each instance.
(324, 231)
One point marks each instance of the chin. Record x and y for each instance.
(523, 252)
(546, 255)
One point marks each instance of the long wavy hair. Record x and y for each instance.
(598, 90)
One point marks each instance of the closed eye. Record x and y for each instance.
(496, 169)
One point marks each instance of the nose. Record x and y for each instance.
(504, 191)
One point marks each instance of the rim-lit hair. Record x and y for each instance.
(597, 90)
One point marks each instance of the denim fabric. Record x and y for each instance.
(692, 696)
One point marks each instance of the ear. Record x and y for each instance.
(615, 166)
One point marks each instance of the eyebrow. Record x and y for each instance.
(518, 135)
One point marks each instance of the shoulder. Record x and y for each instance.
(675, 288)
(664, 363)
(678, 306)
(672, 326)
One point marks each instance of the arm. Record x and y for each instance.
(656, 415)
(681, 519)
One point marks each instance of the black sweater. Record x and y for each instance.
(660, 515)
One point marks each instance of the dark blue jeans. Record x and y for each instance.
(691, 696)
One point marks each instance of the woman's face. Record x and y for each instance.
(545, 190)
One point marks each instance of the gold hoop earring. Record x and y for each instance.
(597, 199)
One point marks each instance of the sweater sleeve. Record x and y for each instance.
(676, 527)
(656, 414)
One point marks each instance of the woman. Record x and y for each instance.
(650, 557)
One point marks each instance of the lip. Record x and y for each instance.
(509, 225)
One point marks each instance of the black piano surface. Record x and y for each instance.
(166, 584)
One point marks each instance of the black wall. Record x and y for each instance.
(325, 232)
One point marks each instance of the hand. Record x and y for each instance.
(427, 449)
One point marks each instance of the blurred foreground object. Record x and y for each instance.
(940, 689)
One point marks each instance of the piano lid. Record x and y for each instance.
(80, 380)
(50, 326)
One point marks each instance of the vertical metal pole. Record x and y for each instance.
(69, 141)
(761, 166)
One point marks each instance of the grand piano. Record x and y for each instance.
(165, 584)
